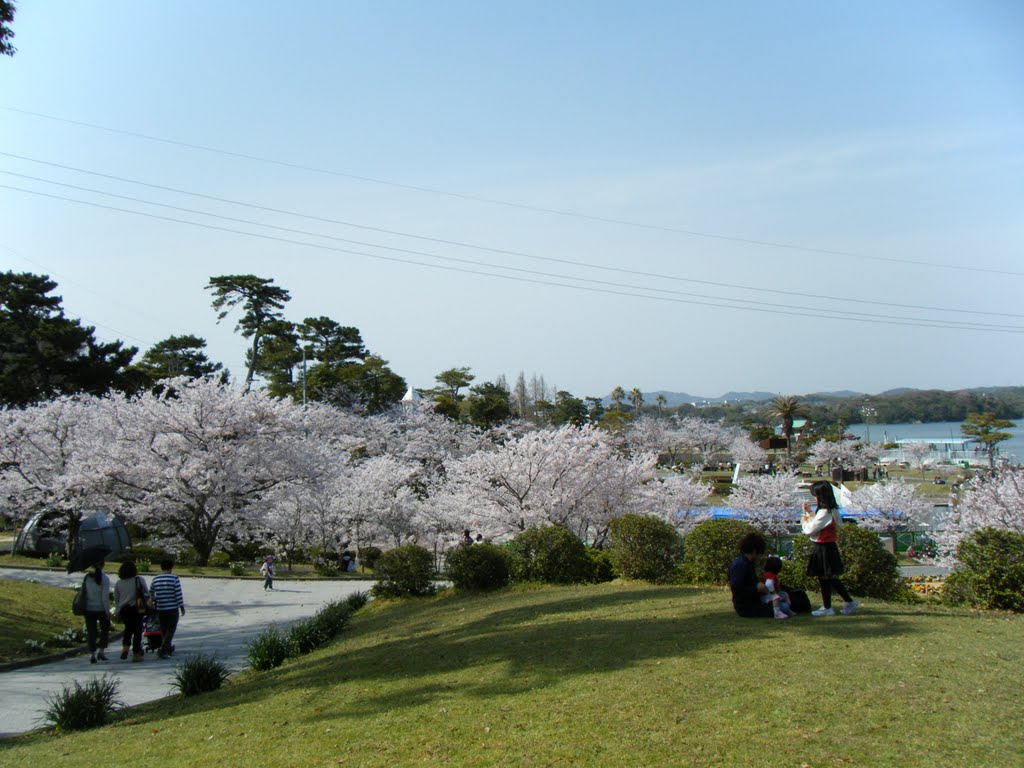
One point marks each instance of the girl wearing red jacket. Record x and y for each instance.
(822, 525)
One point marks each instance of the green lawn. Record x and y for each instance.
(607, 675)
(32, 612)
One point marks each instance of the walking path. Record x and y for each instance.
(221, 618)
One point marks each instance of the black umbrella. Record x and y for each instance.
(86, 557)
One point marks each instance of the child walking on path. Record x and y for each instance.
(822, 526)
(267, 569)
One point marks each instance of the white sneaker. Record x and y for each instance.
(849, 607)
(823, 611)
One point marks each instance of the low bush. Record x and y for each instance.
(325, 567)
(268, 649)
(601, 567)
(989, 571)
(79, 707)
(368, 556)
(70, 637)
(709, 549)
(551, 555)
(870, 569)
(54, 560)
(147, 552)
(357, 600)
(237, 568)
(199, 674)
(479, 566)
(406, 571)
(644, 548)
(219, 560)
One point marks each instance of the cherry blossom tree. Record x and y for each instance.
(677, 500)
(769, 501)
(987, 501)
(196, 461)
(833, 453)
(43, 460)
(702, 437)
(890, 506)
(917, 454)
(745, 452)
(569, 476)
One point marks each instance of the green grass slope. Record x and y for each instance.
(607, 675)
(31, 612)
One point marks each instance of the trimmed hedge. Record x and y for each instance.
(406, 571)
(989, 572)
(643, 547)
(551, 555)
(871, 571)
(709, 549)
(478, 566)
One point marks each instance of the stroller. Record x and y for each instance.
(151, 634)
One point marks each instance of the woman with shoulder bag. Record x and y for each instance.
(96, 588)
(131, 600)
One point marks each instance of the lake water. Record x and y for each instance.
(1012, 449)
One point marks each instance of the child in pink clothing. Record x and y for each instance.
(774, 595)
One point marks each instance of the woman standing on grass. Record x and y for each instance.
(746, 587)
(822, 526)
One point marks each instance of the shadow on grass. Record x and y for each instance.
(427, 650)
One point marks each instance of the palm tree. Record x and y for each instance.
(636, 397)
(618, 395)
(785, 408)
(661, 401)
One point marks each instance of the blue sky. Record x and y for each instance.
(815, 158)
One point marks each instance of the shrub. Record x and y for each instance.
(268, 649)
(325, 625)
(480, 566)
(219, 560)
(237, 568)
(871, 570)
(34, 647)
(146, 552)
(357, 600)
(405, 572)
(143, 565)
(644, 547)
(325, 567)
(601, 567)
(551, 555)
(78, 707)
(200, 674)
(709, 549)
(369, 556)
(54, 560)
(70, 637)
(989, 571)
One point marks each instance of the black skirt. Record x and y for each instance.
(825, 562)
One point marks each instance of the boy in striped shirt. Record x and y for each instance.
(165, 591)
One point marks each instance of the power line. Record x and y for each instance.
(506, 203)
(570, 262)
(817, 314)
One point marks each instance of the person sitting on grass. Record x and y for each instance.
(746, 587)
(778, 599)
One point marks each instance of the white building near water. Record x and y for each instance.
(951, 450)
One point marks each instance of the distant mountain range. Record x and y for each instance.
(675, 399)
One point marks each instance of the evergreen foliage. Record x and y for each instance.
(406, 571)
(479, 566)
(643, 547)
(549, 554)
(709, 550)
(990, 571)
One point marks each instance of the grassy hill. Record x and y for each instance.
(606, 675)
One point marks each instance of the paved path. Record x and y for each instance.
(221, 617)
